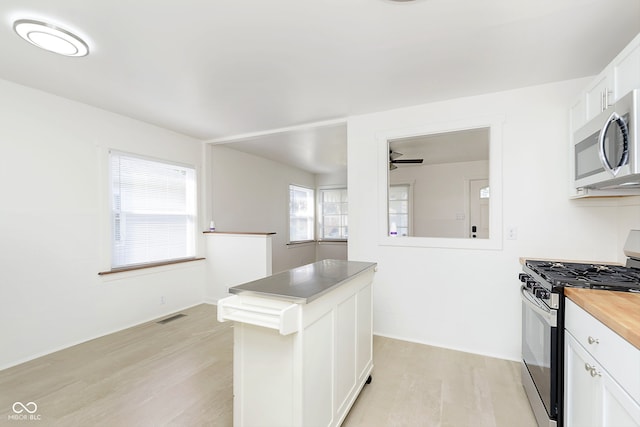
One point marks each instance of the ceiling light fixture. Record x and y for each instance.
(51, 38)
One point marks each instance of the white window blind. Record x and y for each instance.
(301, 218)
(153, 210)
(333, 214)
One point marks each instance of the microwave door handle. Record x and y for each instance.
(614, 117)
(549, 316)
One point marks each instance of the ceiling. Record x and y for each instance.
(216, 69)
(448, 147)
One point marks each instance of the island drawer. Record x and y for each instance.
(283, 316)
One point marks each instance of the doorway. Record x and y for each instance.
(479, 208)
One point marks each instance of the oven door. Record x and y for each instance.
(540, 355)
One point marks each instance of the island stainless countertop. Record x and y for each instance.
(304, 284)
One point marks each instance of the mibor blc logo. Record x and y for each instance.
(24, 411)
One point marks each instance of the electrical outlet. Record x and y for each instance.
(512, 233)
(162, 300)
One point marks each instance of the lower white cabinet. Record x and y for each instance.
(300, 365)
(593, 397)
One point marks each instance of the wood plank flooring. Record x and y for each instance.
(181, 374)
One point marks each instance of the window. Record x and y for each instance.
(153, 210)
(333, 214)
(301, 219)
(399, 209)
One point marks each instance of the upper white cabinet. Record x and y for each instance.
(626, 70)
(619, 78)
(602, 374)
(598, 94)
(616, 80)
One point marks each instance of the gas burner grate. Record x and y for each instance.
(594, 276)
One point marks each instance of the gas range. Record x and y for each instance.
(542, 295)
(553, 275)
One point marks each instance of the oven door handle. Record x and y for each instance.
(549, 315)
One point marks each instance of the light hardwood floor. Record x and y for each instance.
(180, 374)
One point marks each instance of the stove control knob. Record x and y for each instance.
(541, 293)
(523, 277)
(531, 284)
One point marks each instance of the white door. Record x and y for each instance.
(479, 208)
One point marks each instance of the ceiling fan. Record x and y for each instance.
(393, 160)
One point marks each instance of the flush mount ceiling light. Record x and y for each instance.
(50, 37)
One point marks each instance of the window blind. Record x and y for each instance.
(153, 210)
(333, 214)
(301, 214)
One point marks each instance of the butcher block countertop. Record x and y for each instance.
(620, 311)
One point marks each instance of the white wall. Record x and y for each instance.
(440, 195)
(469, 299)
(54, 226)
(251, 194)
(628, 219)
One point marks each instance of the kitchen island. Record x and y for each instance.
(302, 344)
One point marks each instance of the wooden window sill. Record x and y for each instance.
(150, 265)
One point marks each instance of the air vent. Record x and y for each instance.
(171, 319)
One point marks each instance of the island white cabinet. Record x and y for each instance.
(303, 344)
(602, 374)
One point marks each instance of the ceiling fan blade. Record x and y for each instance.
(407, 161)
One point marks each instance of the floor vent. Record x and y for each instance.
(171, 319)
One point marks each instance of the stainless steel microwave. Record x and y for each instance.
(606, 152)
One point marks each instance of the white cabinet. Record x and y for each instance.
(300, 364)
(625, 70)
(601, 374)
(620, 77)
(599, 94)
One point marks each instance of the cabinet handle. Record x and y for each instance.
(593, 340)
(592, 370)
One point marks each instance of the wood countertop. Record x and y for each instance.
(620, 311)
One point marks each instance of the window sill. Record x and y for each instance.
(150, 265)
(300, 242)
(319, 242)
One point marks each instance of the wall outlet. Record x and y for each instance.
(512, 233)
(162, 300)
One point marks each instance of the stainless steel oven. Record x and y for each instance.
(542, 292)
(542, 339)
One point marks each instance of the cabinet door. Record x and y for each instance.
(626, 69)
(592, 396)
(618, 408)
(595, 93)
(582, 392)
